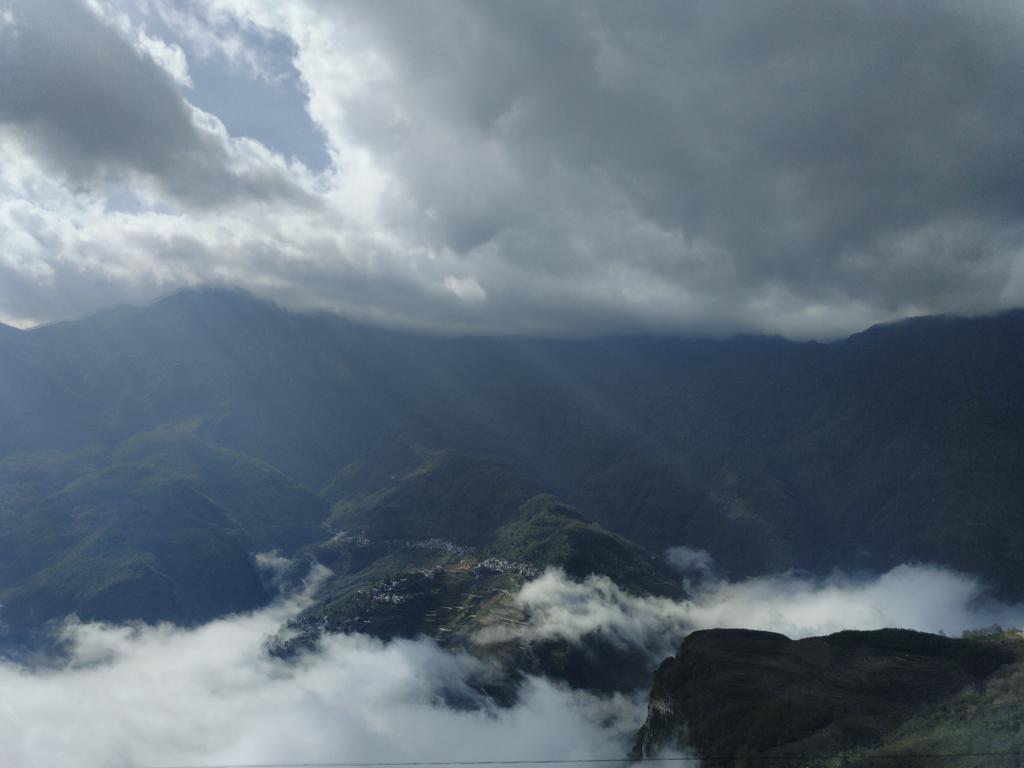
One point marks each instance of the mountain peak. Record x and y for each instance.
(932, 323)
(214, 298)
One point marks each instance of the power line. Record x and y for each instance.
(604, 760)
(435, 763)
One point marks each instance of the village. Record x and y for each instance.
(395, 591)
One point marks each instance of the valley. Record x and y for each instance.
(197, 458)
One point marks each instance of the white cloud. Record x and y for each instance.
(169, 57)
(923, 597)
(687, 560)
(144, 695)
(164, 695)
(466, 288)
(214, 33)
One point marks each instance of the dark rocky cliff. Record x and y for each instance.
(733, 693)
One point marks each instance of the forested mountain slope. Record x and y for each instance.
(217, 424)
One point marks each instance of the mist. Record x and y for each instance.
(924, 597)
(165, 695)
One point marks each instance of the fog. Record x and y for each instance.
(142, 696)
(913, 596)
(164, 695)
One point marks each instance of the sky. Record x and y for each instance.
(566, 168)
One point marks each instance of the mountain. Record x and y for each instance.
(212, 425)
(161, 526)
(443, 551)
(740, 695)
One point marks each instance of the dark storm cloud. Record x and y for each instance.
(572, 167)
(862, 151)
(93, 108)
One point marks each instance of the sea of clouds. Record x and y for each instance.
(913, 596)
(170, 696)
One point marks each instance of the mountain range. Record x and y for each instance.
(148, 456)
(214, 415)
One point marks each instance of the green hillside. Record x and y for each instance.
(162, 526)
(216, 425)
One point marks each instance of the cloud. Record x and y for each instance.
(131, 696)
(95, 102)
(587, 166)
(803, 164)
(923, 597)
(687, 560)
(466, 288)
(166, 695)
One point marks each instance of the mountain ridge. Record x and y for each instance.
(901, 443)
(189, 297)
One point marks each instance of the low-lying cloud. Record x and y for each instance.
(164, 695)
(923, 597)
(147, 696)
